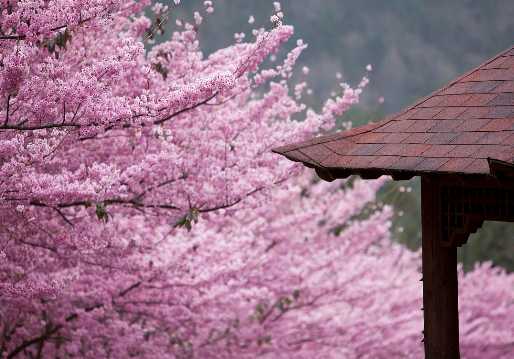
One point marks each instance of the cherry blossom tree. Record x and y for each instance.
(142, 213)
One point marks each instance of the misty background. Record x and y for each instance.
(414, 47)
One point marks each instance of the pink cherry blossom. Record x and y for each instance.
(143, 214)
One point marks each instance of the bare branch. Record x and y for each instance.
(38, 245)
(64, 217)
(160, 23)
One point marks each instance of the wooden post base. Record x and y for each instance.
(440, 285)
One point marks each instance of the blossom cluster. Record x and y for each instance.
(142, 213)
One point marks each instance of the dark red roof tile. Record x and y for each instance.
(475, 112)
(355, 138)
(450, 113)
(442, 138)
(470, 77)
(366, 149)
(463, 151)
(413, 150)
(489, 151)
(322, 139)
(505, 86)
(421, 125)
(494, 75)
(493, 138)
(453, 100)
(317, 152)
(384, 161)
(496, 63)
(510, 128)
(390, 149)
(479, 99)
(477, 166)
(431, 164)
(482, 87)
(438, 150)
(456, 165)
(297, 155)
(370, 137)
(433, 101)
(509, 140)
(503, 99)
(336, 161)
(498, 124)
(418, 137)
(359, 130)
(458, 88)
(509, 63)
(360, 161)
(426, 113)
(407, 114)
(342, 147)
(284, 149)
(406, 163)
(316, 140)
(499, 112)
(505, 155)
(395, 126)
(472, 125)
(395, 137)
(467, 138)
(446, 126)
(509, 53)
(507, 75)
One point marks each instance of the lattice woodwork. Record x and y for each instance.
(464, 210)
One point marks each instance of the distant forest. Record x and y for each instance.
(414, 46)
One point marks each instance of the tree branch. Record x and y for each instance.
(7, 111)
(33, 341)
(64, 217)
(157, 122)
(23, 37)
(134, 286)
(40, 127)
(38, 245)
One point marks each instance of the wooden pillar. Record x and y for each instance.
(440, 285)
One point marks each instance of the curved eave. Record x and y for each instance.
(500, 171)
(397, 175)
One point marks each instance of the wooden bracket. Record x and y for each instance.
(464, 210)
(460, 236)
(324, 174)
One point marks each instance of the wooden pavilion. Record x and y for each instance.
(460, 141)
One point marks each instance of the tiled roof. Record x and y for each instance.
(456, 129)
